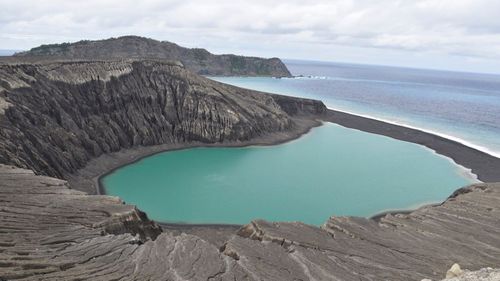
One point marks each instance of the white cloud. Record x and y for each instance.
(454, 28)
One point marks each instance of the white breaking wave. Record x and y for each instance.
(446, 136)
(313, 77)
(394, 122)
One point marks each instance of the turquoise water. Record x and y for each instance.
(330, 171)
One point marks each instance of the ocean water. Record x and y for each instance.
(460, 106)
(330, 171)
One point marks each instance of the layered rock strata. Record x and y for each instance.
(414, 246)
(51, 232)
(56, 116)
(483, 274)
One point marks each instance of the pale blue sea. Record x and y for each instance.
(461, 106)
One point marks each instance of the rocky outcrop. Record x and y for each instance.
(197, 60)
(414, 246)
(51, 232)
(483, 274)
(59, 115)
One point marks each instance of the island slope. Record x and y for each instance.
(197, 60)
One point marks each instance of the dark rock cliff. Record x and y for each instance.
(197, 60)
(57, 116)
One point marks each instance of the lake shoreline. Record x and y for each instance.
(89, 178)
(481, 164)
(485, 166)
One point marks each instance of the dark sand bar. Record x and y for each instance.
(485, 166)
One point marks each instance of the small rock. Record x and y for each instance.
(454, 271)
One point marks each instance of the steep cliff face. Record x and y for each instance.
(56, 116)
(197, 60)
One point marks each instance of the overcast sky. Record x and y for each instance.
(443, 34)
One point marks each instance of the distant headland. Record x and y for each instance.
(197, 60)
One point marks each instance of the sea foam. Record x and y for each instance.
(440, 134)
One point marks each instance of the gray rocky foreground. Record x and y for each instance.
(455, 273)
(51, 232)
(483, 274)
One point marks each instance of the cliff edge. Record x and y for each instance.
(56, 116)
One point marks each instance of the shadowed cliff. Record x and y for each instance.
(197, 60)
(57, 116)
